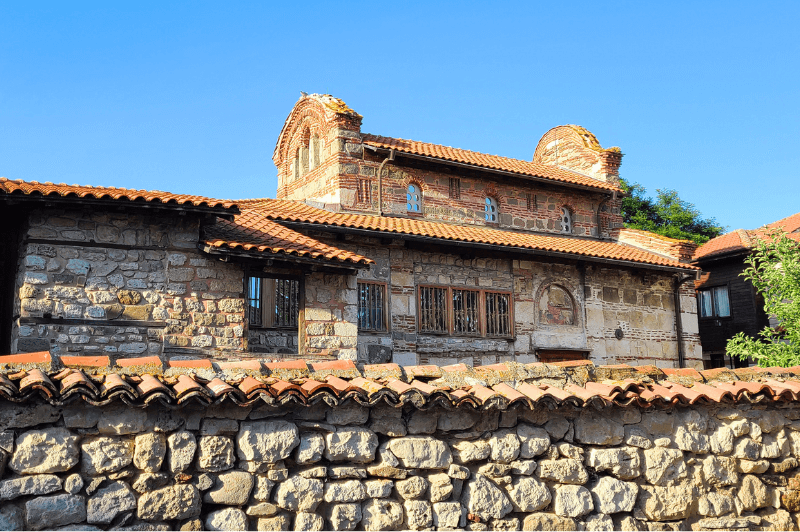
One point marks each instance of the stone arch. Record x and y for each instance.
(555, 305)
(317, 112)
(490, 191)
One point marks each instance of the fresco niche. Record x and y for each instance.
(556, 306)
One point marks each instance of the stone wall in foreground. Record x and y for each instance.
(385, 468)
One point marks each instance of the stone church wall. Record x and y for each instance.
(385, 467)
(601, 301)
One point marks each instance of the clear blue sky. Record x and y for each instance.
(190, 97)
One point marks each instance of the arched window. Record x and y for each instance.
(566, 220)
(414, 198)
(314, 151)
(490, 209)
(303, 160)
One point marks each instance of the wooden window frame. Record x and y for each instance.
(481, 318)
(267, 300)
(714, 302)
(385, 305)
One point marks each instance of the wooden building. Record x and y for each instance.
(727, 302)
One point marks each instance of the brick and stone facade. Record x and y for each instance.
(100, 279)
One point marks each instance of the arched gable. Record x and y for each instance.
(313, 113)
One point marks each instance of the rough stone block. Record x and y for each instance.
(54, 511)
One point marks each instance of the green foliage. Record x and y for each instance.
(667, 215)
(774, 270)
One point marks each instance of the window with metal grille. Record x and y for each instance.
(498, 314)
(455, 188)
(466, 312)
(371, 307)
(530, 201)
(433, 309)
(273, 303)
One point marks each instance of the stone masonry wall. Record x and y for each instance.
(329, 326)
(640, 304)
(351, 467)
(123, 284)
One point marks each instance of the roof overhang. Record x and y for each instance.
(269, 258)
(75, 201)
(484, 246)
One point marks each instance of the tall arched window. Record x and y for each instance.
(303, 160)
(490, 209)
(413, 198)
(566, 220)
(314, 151)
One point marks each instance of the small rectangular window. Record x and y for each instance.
(465, 312)
(498, 314)
(273, 303)
(530, 201)
(455, 188)
(371, 307)
(432, 309)
(713, 302)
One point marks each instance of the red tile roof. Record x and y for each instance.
(483, 160)
(152, 197)
(737, 240)
(744, 239)
(252, 232)
(790, 224)
(292, 211)
(499, 386)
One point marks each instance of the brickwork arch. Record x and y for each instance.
(576, 148)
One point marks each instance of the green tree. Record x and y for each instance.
(774, 270)
(666, 215)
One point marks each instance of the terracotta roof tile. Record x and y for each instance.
(484, 160)
(253, 233)
(150, 197)
(745, 239)
(293, 211)
(299, 381)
